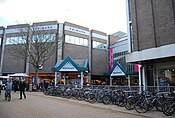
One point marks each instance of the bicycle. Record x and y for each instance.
(8, 95)
(168, 107)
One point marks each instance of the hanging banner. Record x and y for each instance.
(136, 68)
(110, 59)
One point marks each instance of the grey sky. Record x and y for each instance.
(104, 15)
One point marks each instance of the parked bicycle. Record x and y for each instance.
(168, 107)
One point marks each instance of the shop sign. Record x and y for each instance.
(17, 30)
(99, 36)
(117, 72)
(76, 30)
(68, 67)
(47, 27)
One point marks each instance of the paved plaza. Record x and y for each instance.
(38, 105)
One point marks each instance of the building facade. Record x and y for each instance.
(74, 41)
(122, 73)
(151, 30)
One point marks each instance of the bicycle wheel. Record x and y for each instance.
(9, 97)
(5, 96)
(106, 99)
(140, 107)
(167, 107)
(91, 98)
(158, 105)
(129, 104)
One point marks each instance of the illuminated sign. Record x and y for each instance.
(68, 67)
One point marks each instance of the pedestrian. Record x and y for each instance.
(15, 85)
(22, 86)
(41, 86)
(27, 86)
(8, 88)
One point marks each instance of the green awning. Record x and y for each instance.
(70, 65)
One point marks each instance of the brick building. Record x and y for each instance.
(151, 30)
(76, 42)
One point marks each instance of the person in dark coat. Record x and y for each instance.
(22, 86)
(15, 84)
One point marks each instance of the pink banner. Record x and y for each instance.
(136, 68)
(110, 59)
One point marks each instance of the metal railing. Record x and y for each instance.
(153, 89)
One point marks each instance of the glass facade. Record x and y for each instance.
(164, 76)
(121, 59)
(76, 40)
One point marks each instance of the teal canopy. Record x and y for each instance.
(71, 65)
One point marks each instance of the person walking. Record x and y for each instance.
(8, 89)
(15, 85)
(22, 86)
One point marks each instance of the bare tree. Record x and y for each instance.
(33, 46)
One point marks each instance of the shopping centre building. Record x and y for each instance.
(121, 72)
(151, 30)
(81, 55)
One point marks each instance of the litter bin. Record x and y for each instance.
(30, 87)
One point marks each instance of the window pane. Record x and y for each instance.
(16, 40)
(81, 41)
(85, 42)
(77, 40)
(72, 39)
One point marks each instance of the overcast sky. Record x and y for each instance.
(104, 15)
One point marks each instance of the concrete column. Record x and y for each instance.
(111, 81)
(140, 78)
(90, 55)
(129, 81)
(56, 78)
(157, 78)
(143, 78)
(82, 80)
(128, 26)
(64, 79)
(60, 38)
(2, 50)
(27, 58)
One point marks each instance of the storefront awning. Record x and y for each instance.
(70, 65)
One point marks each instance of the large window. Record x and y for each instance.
(76, 40)
(44, 38)
(35, 39)
(99, 45)
(120, 57)
(16, 40)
